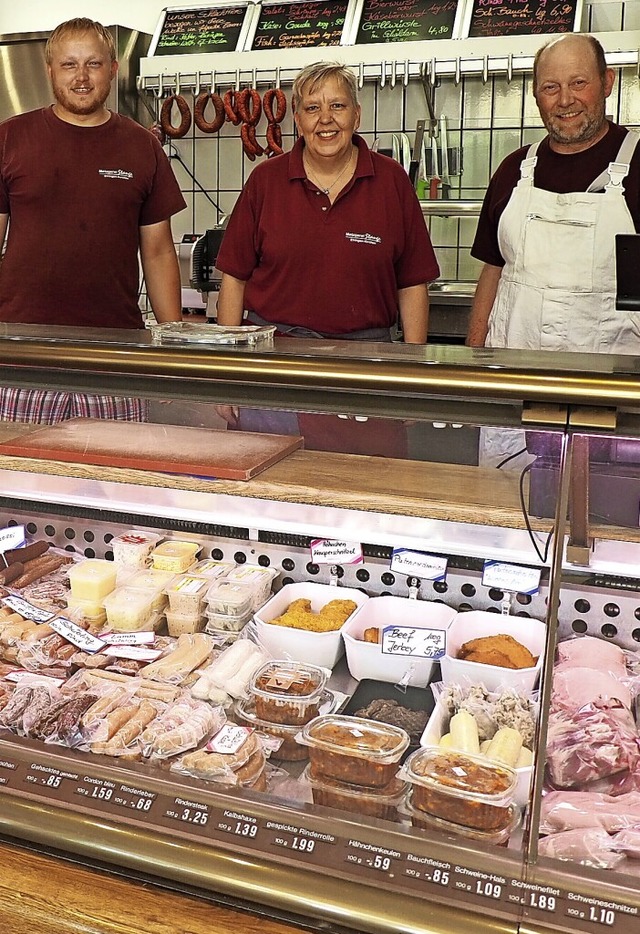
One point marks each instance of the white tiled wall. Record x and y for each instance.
(485, 120)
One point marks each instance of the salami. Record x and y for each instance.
(250, 144)
(249, 106)
(185, 115)
(27, 553)
(277, 95)
(274, 140)
(230, 110)
(200, 120)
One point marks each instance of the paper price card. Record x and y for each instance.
(128, 638)
(26, 609)
(416, 643)
(11, 537)
(514, 578)
(418, 564)
(76, 635)
(327, 551)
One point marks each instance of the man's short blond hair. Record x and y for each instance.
(76, 27)
(314, 76)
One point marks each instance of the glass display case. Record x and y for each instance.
(465, 752)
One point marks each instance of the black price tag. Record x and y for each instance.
(301, 843)
(371, 860)
(238, 825)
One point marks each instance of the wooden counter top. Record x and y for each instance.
(44, 894)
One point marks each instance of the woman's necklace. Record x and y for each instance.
(315, 181)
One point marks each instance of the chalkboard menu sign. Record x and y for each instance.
(406, 20)
(300, 25)
(212, 28)
(522, 17)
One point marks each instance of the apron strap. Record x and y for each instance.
(614, 175)
(528, 164)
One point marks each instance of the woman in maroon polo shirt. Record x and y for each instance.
(328, 241)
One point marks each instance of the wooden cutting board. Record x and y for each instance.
(228, 455)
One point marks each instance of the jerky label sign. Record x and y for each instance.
(418, 564)
(11, 537)
(76, 635)
(327, 551)
(514, 578)
(414, 643)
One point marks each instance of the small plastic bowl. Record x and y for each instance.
(152, 581)
(179, 623)
(353, 750)
(288, 692)
(92, 579)
(186, 594)
(174, 555)
(382, 802)
(223, 621)
(132, 548)
(94, 612)
(290, 750)
(436, 824)
(465, 789)
(257, 578)
(229, 598)
(131, 610)
(211, 569)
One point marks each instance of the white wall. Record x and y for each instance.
(44, 15)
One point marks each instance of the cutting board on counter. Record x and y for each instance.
(211, 453)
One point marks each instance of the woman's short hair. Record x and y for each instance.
(76, 27)
(313, 76)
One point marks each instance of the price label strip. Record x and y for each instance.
(300, 842)
(372, 860)
(56, 781)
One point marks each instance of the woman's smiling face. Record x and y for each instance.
(327, 118)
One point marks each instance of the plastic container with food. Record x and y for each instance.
(152, 581)
(290, 750)
(461, 788)
(92, 579)
(431, 824)
(257, 578)
(288, 692)
(366, 659)
(212, 569)
(220, 622)
(230, 599)
(382, 802)
(305, 645)
(177, 623)
(88, 609)
(130, 610)
(479, 624)
(174, 555)
(186, 594)
(132, 548)
(353, 750)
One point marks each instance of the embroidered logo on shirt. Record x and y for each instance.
(115, 173)
(362, 237)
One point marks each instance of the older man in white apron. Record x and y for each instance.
(548, 224)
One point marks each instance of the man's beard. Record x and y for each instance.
(69, 103)
(589, 130)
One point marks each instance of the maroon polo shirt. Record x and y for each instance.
(333, 268)
(557, 172)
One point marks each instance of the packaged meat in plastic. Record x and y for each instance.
(627, 841)
(203, 720)
(588, 745)
(131, 721)
(191, 651)
(572, 810)
(231, 671)
(574, 688)
(233, 756)
(589, 846)
(589, 652)
(44, 698)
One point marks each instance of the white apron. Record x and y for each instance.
(558, 286)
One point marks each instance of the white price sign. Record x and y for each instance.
(414, 643)
(11, 537)
(26, 609)
(328, 551)
(128, 638)
(514, 578)
(137, 652)
(229, 739)
(418, 564)
(76, 635)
